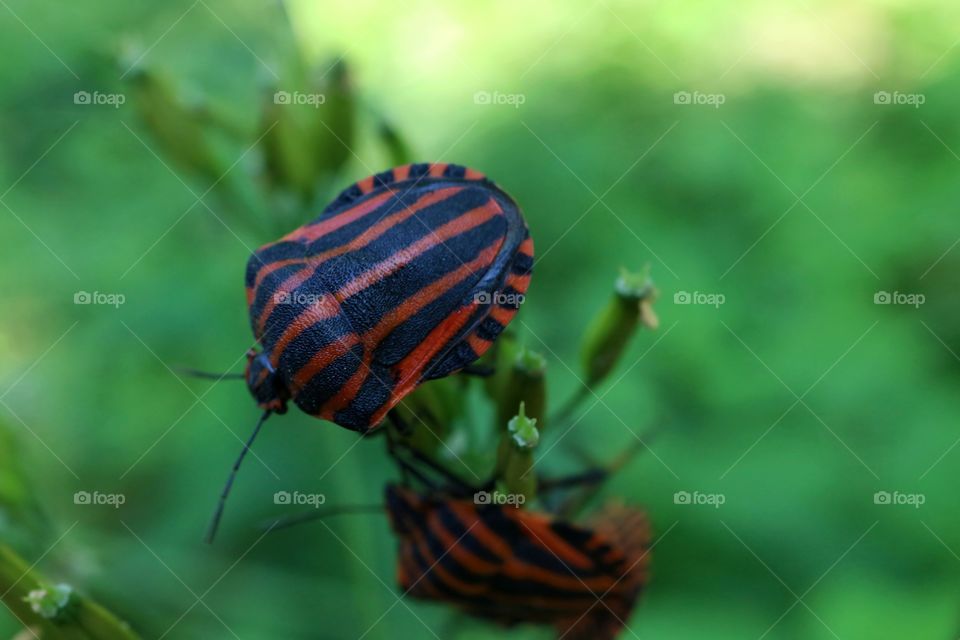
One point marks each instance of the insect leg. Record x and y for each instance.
(393, 448)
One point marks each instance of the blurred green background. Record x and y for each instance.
(741, 149)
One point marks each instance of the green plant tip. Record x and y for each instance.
(634, 285)
(49, 602)
(524, 430)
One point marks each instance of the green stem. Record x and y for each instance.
(14, 585)
(80, 619)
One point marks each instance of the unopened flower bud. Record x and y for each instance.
(610, 332)
(525, 384)
(49, 602)
(515, 456)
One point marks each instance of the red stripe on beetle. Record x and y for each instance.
(365, 185)
(409, 370)
(390, 322)
(312, 232)
(338, 221)
(384, 268)
(365, 238)
(467, 221)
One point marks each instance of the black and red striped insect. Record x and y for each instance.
(512, 566)
(407, 276)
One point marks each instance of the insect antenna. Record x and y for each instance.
(215, 522)
(321, 514)
(209, 375)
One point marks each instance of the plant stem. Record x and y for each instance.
(81, 618)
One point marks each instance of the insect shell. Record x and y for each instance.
(409, 275)
(514, 566)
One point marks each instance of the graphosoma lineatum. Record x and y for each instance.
(513, 566)
(409, 275)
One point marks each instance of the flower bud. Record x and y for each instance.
(515, 456)
(524, 385)
(49, 602)
(610, 331)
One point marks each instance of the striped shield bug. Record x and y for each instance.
(489, 558)
(480, 552)
(512, 565)
(408, 275)
(484, 553)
